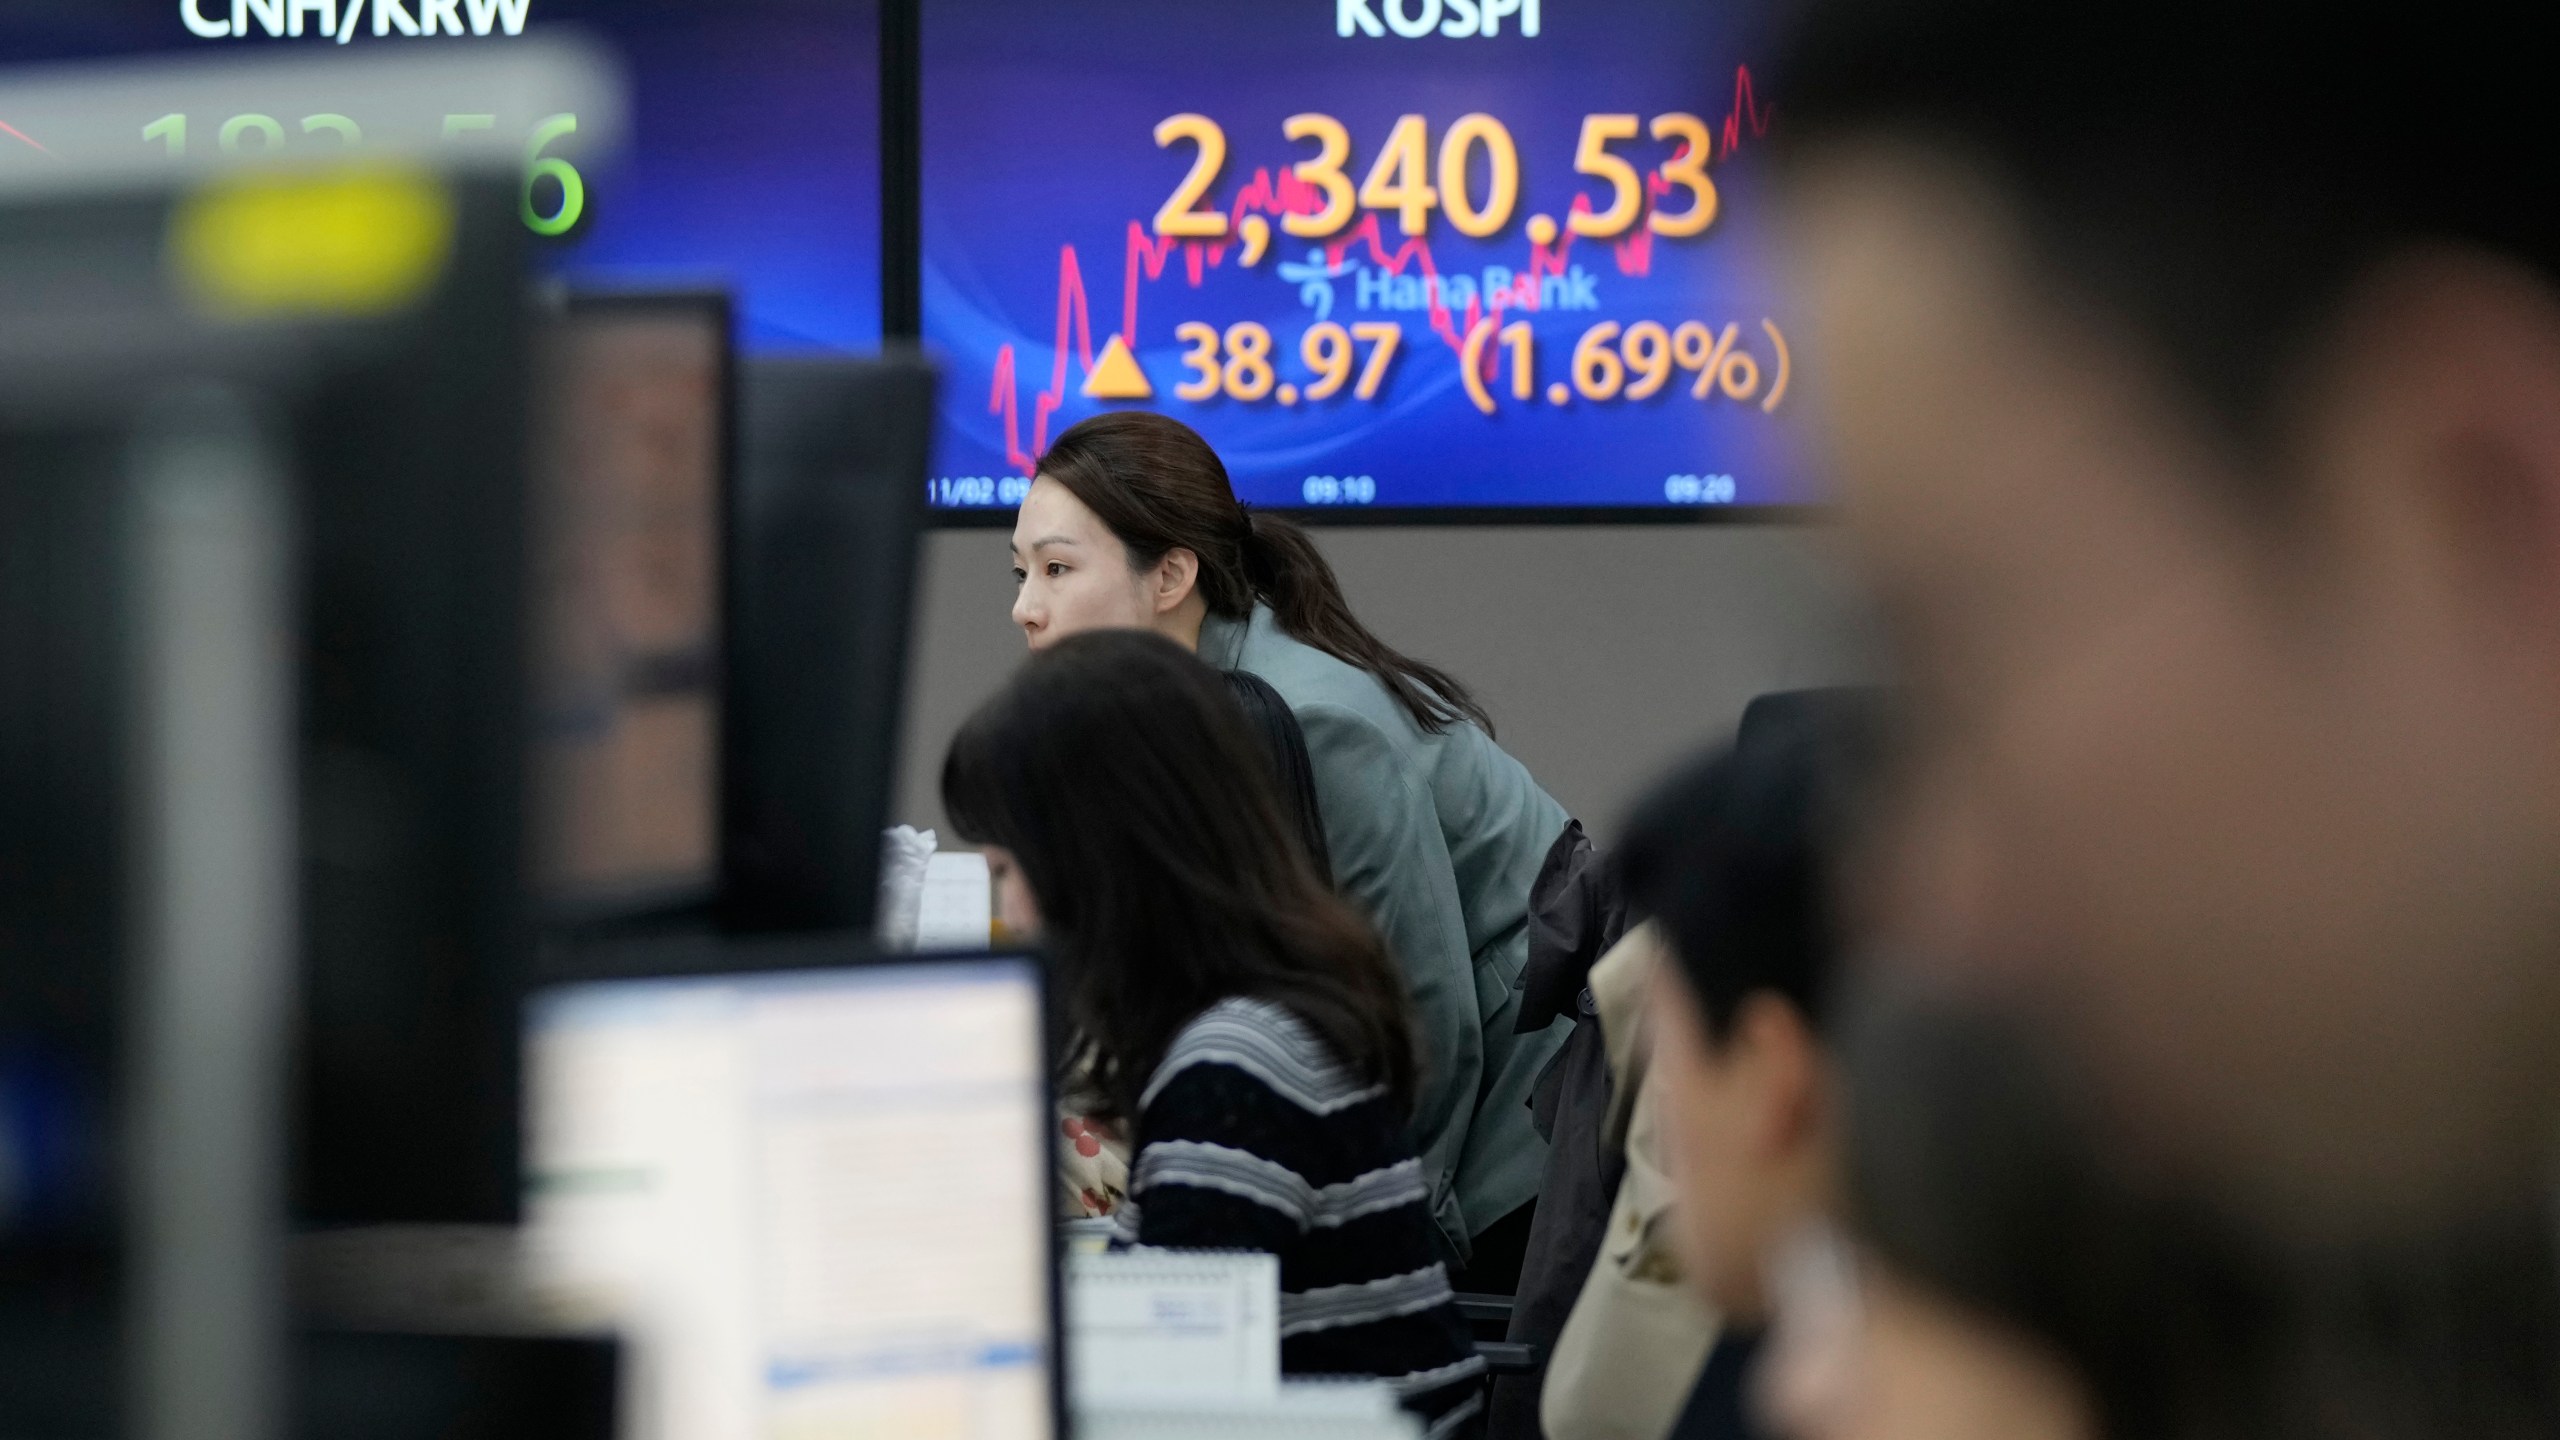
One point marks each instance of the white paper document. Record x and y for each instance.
(1304, 1410)
(958, 905)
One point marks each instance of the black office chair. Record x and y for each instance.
(1488, 1320)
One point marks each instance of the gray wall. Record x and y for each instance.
(1605, 653)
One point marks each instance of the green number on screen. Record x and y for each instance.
(347, 131)
(170, 129)
(573, 187)
(238, 127)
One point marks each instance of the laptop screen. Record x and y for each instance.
(816, 1203)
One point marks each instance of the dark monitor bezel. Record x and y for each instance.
(824, 545)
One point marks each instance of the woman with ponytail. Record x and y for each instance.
(1434, 832)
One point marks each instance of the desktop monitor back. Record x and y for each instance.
(821, 579)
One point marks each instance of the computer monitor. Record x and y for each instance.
(399, 425)
(816, 1201)
(821, 578)
(721, 651)
(178, 407)
(417, 929)
(630, 483)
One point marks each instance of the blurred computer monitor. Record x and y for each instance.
(153, 340)
(722, 621)
(396, 420)
(417, 925)
(630, 488)
(816, 1201)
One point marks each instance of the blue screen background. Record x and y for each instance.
(1038, 151)
(753, 158)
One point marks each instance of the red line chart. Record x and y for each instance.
(1747, 111)
(15, 133)
(1146, 256)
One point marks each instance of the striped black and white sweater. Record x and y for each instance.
(1252, 1136)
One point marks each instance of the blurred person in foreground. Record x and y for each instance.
(2192, 376)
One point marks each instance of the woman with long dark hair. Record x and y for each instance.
(1434, 832)
(1234, 1020)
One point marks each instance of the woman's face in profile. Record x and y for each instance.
(1017, 910)
(1070, 573)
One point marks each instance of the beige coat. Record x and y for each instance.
(1631, 1351)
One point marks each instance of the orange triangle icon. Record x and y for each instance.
(1116, 376)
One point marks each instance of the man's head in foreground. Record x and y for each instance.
(2191, 377)
(1736, 859)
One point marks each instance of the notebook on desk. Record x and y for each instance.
(1156, 1325)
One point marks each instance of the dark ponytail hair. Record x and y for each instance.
(1160, 488)
(1120, 771)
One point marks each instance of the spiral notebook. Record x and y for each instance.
(1162, 1325)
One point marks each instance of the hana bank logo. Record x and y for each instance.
(282, 18)
(1497, 288)
(1413, 19)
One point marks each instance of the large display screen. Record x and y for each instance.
(1382, 253)
(752, 158)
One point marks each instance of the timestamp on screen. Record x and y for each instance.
(1339, 490)
(1698, 490)
(976, 492)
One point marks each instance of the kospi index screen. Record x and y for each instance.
(751, 158)
(1404, 254)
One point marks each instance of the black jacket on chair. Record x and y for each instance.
(1575, 914)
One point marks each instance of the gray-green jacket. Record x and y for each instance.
(1437, 838)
